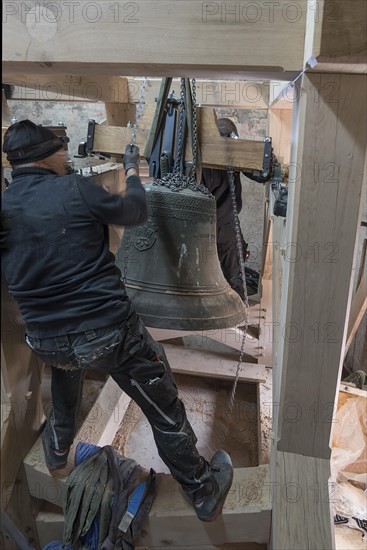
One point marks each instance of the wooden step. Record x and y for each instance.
(245, 518)
(49, 523)
(172, 521)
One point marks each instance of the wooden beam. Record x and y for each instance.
(323, 218)
(336, 36)
(217, 93)
(120, 114)
(280, 128)
(357, 311)
(67, 87)
(302, 517)
(344, 28)
(50, 523)
(265, 342)
(207, 364)
(5, 111)
(278, 243)
(22, 413)
(230, 338)
(170, 38)
(215, 150)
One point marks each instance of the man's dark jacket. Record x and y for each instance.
(57, 262)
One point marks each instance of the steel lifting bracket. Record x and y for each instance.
(267, 160)
(162, 159)
(85, 148)
(90, 136)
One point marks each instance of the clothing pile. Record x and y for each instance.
(108, 498)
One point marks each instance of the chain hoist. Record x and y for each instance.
(139, 110)
(194, 133)
(176, 180)
(179, 148)
(138, 114)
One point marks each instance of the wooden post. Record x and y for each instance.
(326, 176)
(119, 114)
(280, 123)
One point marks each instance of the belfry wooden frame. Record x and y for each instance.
(321, 45)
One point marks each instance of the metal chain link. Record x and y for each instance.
(232, 188)
(179, 182)
(230, 176)
(194, 133)
(180, 144)
(138, 114)
(139, 110)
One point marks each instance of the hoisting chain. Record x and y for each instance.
(138, 114)
(176, 180)
(177, 164)
(230, 176)
(139, 110)
(194, 133)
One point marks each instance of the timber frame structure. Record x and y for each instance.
(321, 47)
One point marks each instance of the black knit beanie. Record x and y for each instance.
(26, 142)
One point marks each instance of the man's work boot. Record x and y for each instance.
(209, 499)
(55, 459)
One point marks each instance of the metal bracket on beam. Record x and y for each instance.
(85, 148)
(90, 136)
(267, 161)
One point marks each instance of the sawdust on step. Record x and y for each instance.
(348, 539)
(216, 426)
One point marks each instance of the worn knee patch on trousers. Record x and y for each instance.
(179, 447)
(156, 380)
(183, 435)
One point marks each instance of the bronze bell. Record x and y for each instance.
(173, 274)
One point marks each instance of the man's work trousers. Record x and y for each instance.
(228, 256)
(139, 365)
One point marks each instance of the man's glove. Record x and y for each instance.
(131, 158)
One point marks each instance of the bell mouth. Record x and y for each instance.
(193, 310)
